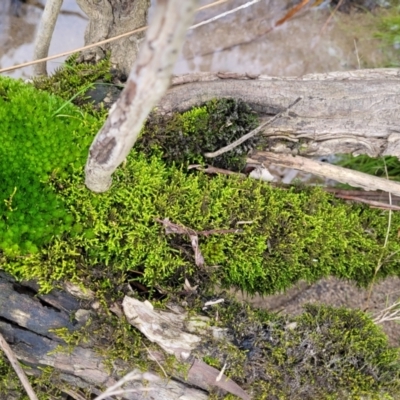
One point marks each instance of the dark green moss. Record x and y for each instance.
(325, 353)
(183, 138)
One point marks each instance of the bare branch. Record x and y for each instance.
(147, 83)
(353, 178)
(17, 368)
(45, 33)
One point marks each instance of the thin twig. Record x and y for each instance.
(17, 368)
(372, 203)
(89, 46)
(250, 134)
(113, 390)
(155, 359)
(73, 394)
(221, 373)
(379, 264)
(388, 314)
(219, 16)
(211, 5)
(358, 58)
(331, 16)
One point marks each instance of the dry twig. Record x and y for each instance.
(249, 135)
(17, 368)
(391, 313)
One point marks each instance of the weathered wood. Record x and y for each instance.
(109, 18)
(45, 33)
(327, 171)
(149, 79)
(342, 112)
(26, 318)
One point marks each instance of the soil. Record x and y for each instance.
(337, 293)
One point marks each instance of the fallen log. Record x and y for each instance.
(354, 112)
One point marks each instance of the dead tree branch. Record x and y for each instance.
(45, 33)
(147, 83)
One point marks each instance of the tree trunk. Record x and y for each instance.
(341, 112)
(109, 18)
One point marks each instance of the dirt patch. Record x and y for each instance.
(336, 293)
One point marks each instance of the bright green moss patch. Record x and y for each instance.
(325, 353)
(281, 236)
(289, 234)
(38, 142)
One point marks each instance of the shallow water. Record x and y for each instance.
(302, 45)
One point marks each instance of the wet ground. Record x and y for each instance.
(305, 44)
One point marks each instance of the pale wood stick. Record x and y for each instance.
(344, 175)
(17, 368)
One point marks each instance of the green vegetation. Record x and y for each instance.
(54, 229)
(39, 141)
(387, 166)
(325, 353)
(389, 28)
(185, 137)
(291, 235)
(72, 81)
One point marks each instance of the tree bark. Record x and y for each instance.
(341, 112)
(109, 18)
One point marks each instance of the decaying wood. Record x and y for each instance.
(45, 33)
(169, 331)
(344, 175)
(26, 319)
(110, 18)
(147, 83)
(343, 112)
(17, 368)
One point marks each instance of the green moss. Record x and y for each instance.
(325, 353)
(104, 241)
(71, 233)
(183, 138)
(72, 80)
(11, 387)
(38, 142)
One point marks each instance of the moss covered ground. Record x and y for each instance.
(54, 229)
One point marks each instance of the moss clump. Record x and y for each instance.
(39, 141)
(291, 234)
(71, 81)
(12, 389)
(183, 138)
(325, 353)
